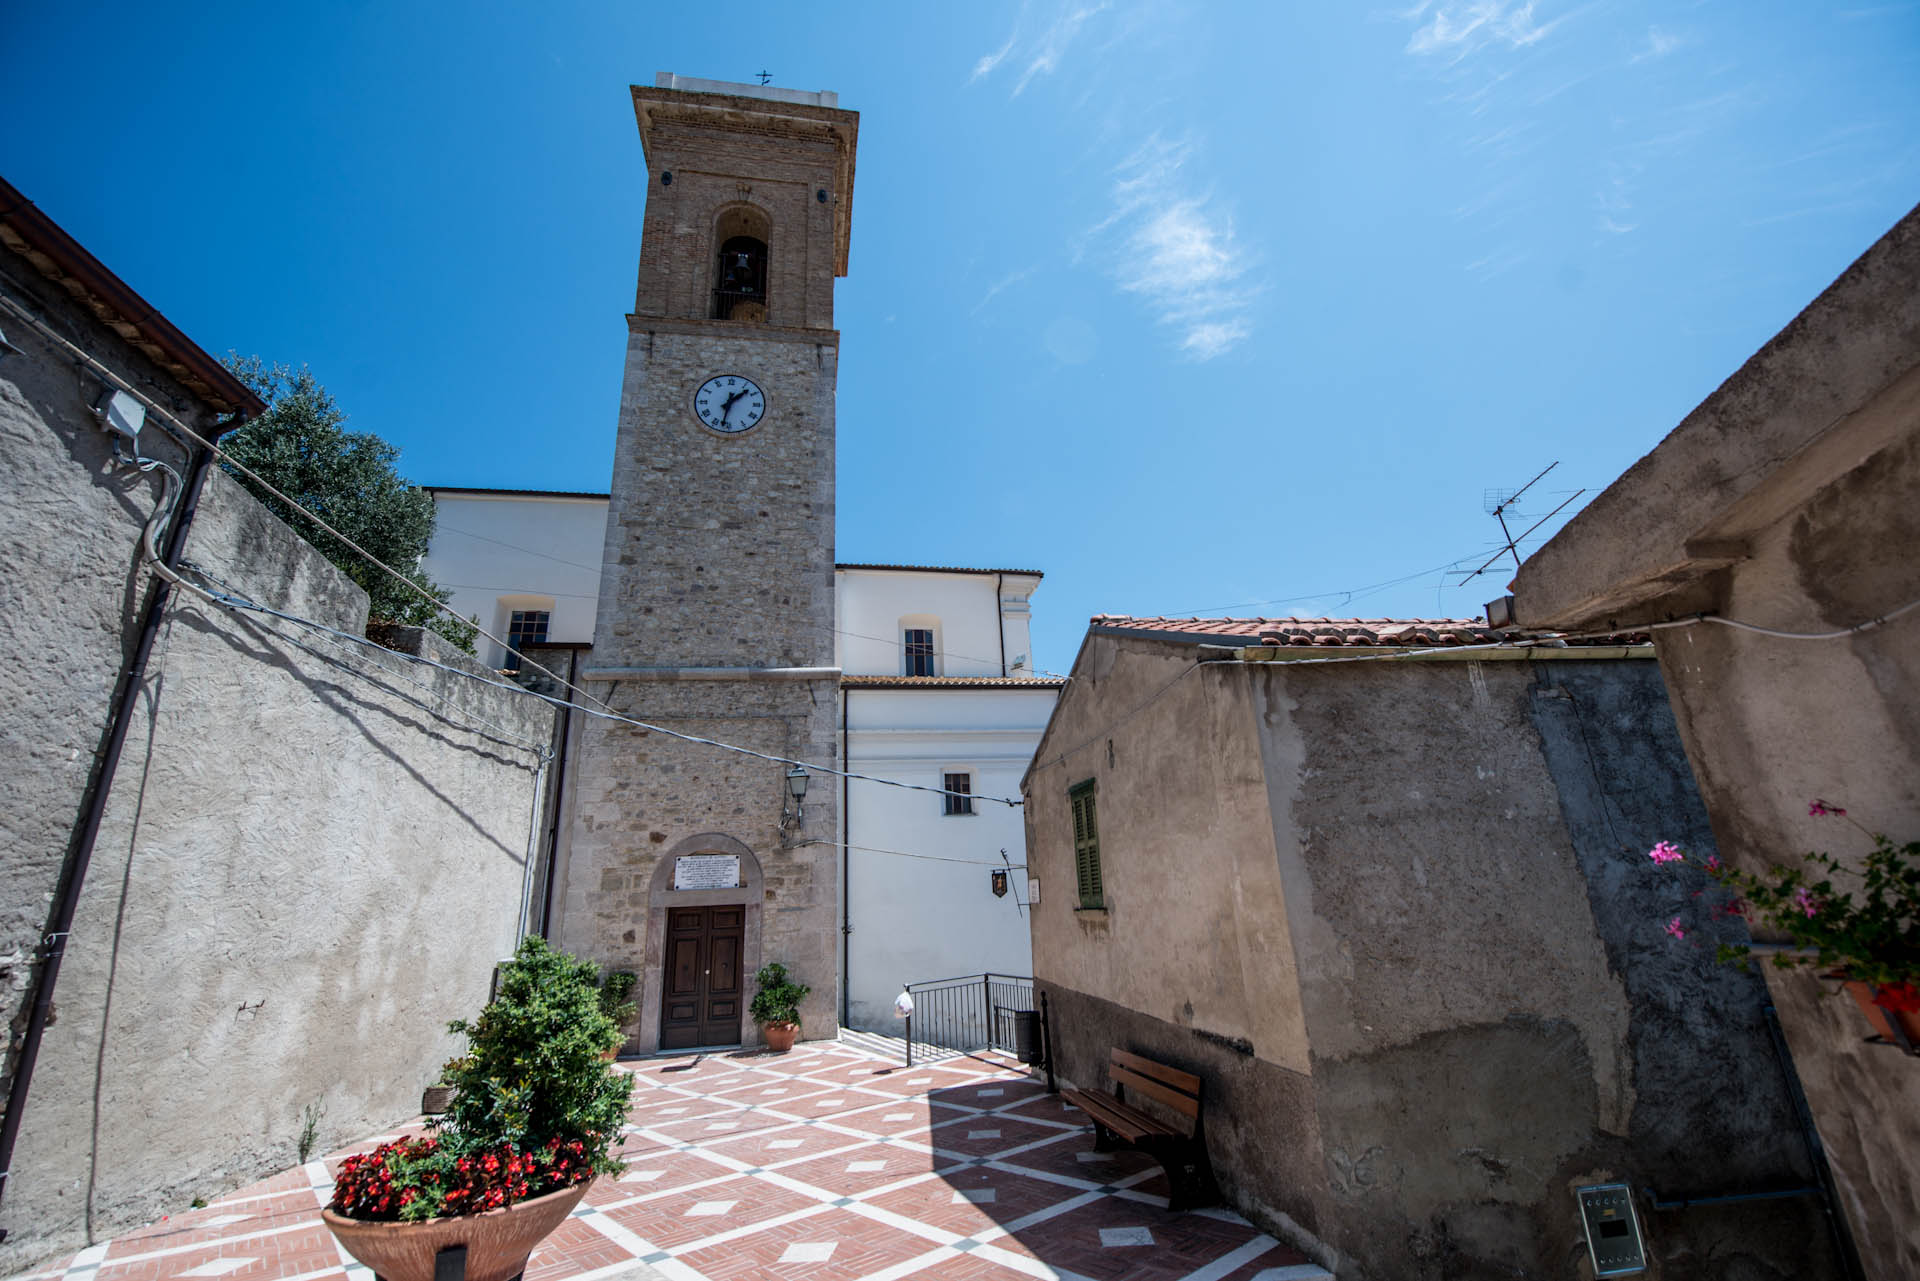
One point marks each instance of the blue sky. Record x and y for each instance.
(1196, 307)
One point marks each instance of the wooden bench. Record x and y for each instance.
(1181, 1151)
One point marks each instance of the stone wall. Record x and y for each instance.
(1428, 986)
(312, 855)
(641, 798)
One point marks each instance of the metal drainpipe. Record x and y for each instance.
(846, 868)
(74, 873)
(559, 796)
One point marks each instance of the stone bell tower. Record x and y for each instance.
(690, 864)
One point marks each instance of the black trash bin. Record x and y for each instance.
(1026, 1035)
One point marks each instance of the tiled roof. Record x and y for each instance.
(952, 682)
(516, 493)
(1328, 632)
(26, 230)
(943, 569)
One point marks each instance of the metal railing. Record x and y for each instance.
(974, 1012)
(739, 304)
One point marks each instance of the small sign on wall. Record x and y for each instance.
(1033, 889)
(706, 872)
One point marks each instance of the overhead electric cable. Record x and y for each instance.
(242, 603)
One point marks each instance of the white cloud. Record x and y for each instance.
(1041, 55)
(1177, 251)
(1459, 27)
(1660, 43)
(993, 290)
(1053, 45)
(989, 61)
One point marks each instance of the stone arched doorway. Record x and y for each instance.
(692, 932)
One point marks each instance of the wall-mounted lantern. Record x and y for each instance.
(797, 780)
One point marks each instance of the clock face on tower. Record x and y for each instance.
(729, 403)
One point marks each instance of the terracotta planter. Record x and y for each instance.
(1897, 1027)
(498, 1241)
(780, 1036)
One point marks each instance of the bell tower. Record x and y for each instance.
(690, 864)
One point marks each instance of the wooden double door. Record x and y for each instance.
(701, 984)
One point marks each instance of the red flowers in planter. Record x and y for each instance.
(421, 1178)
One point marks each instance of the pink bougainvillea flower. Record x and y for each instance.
(1713, 862)
(1676, 929)
(1818, 808)
(1804, 900)
(1665, 852)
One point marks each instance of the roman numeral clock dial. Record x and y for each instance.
(729, 403)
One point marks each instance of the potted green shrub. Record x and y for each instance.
(616, 1002)
(776, 1006)
(535, 1115)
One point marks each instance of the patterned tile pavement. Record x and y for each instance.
(830, 1162)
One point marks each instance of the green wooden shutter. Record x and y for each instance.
(1086, 846)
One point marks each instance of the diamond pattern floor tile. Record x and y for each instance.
(822, 1164)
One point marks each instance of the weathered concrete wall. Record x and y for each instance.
(1486, 937)
(1491, 1012)
(1772, 724)
(1191, 958)
(1786, 500)
(71, 601)
(312, 855)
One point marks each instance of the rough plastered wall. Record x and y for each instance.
(1772, 724)
(312, 857)
(1190, 961)
(1400, 920)
(1496, 1013)
(71, 601)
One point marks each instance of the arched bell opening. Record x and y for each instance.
(740, 274)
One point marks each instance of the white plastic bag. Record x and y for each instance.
(903, 1006)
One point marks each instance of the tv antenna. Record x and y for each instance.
(1499, 502)
(765, 76)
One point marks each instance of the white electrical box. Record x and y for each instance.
(122, 415)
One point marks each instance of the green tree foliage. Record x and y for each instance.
(533, 1070)
(301, 446)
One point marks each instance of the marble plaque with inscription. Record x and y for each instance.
(706, 872)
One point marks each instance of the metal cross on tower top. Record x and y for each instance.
(765, 76)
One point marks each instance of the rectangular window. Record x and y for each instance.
(919, 651)
(527, 627)
(1086, 846)
(963, 803)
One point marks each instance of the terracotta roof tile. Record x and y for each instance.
(1412, 633)
(951, 682)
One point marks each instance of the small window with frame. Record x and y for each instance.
(919, 651)
(959, 794)
(526, 627)
(1086, 847)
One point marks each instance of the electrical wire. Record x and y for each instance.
(603, 711)
(213, 448)
(241, 603)
(971, 658)
(1737, 625)
(931, 858)
(440, 702)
